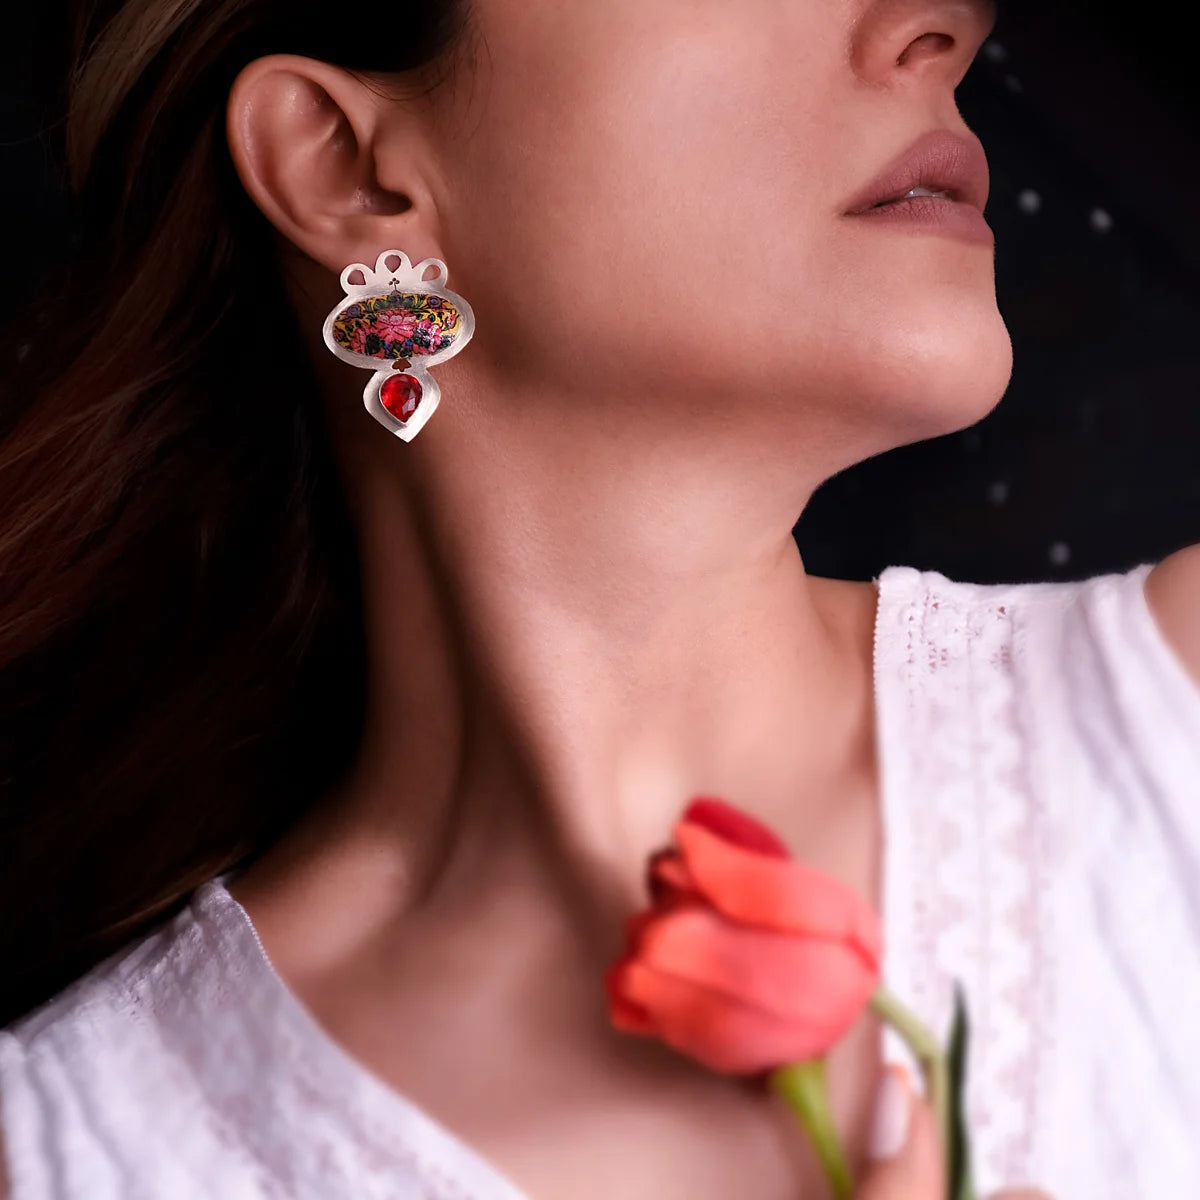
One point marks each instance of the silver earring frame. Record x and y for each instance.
(381, 280)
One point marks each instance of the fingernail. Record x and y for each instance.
(893, 1106)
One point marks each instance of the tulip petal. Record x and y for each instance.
(623, 1013)
(668, 879)
(781, 894)
(635, 924)
(718, 1032)
(821, 985)
(733, 825)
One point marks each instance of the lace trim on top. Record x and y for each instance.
(965, 895)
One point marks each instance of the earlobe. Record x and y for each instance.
(303, 137)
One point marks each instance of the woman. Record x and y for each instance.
(409, 716)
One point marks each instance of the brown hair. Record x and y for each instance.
(181, 658)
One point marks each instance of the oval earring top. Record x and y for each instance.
(395, 313)
(392, 317)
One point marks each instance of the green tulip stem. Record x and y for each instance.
(802, 1086)
(925, 1049)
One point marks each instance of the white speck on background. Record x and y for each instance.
(1100, 220)
(1012, 83)
(1060, 553)
(1028, 201)
(994, 51)
(997, 492)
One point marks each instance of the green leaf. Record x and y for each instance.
(962, 1186)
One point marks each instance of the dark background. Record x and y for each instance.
(1088, 112)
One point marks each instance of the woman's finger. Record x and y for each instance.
(905, 1151)
(906, 1158)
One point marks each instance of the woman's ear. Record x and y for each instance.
(312, 145)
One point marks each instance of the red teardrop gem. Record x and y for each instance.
(400, 395)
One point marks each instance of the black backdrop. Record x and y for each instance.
(1089, 464)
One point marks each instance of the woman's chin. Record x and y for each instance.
(932, 386)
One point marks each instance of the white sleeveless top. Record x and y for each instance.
(1040, 750)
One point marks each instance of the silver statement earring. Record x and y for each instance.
(399, 324)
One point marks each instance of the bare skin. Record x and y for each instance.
(582, 599)
(488, 986)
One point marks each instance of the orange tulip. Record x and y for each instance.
(746, 959)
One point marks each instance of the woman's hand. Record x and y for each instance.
(905, 1151)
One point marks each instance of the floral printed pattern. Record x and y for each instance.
(397, 325)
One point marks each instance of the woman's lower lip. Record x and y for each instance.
(932, 214)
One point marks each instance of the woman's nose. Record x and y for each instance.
(896, 42)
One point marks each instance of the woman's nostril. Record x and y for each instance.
(926, 45)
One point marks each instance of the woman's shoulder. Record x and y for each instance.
(185, 1067)
(1161, 596)
(1117, 644)
(1043, 693)
(932, 591)
(94, 1083)
(127, 988)
(1173, 594)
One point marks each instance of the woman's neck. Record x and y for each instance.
(566, 645)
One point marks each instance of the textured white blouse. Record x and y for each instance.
(1040, 747)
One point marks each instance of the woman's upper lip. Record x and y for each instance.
(939, 160)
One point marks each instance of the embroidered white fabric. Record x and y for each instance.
(1040, 752)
